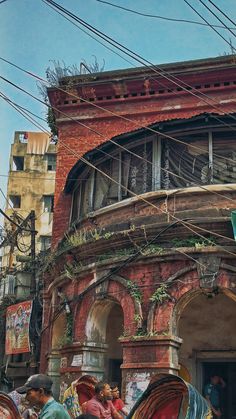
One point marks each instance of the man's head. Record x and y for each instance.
(115, 391)
(17, 329)
(103, 391)
(38, 389)
(215, 379)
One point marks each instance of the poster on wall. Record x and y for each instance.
(17, 328)
(136, 385)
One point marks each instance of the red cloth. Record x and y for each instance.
(102, 410)
(118, 404)
(170, 410)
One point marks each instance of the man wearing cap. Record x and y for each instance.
(38, 389)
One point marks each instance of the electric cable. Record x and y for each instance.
(186, 224)
(132, 153)
(120, 116)
(188, 87)
(132, 54)
(217, 17)
(122, 147)
(13, 222)
(157, 16)
(109, 275)
(108, 111)
(224, 14)
(131, 191)
(214, 29)
(7, 200)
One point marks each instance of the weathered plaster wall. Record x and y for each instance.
(133, 98)
(31, 184)
(207, 325)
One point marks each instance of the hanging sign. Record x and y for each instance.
(17, 328)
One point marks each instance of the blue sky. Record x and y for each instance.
(32, 34)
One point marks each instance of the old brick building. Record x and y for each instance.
(142, 273)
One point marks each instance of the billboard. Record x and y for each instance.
(17, 328)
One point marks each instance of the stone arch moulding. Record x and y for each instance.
(223, 283)
(187, 293)
(153, 311)
(114, 291)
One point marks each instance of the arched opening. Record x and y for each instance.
(114, 354)
(206, 326)
(103, 329)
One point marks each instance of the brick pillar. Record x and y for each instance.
(144, 357)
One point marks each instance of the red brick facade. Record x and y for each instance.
(99, 290)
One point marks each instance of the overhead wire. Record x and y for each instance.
(157, 16)
(39, 126)
(125, 148)
(222, 12)
(54, 2)
(128, 61)
(186, 224)
(112, 272)
(110, 112)
(154, 68)
(87, 290)
(206, 21)
(94, 167)
(217, 17)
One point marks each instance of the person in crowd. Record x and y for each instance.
(101, 405)
(23, 405)
(38, 390)
(117, 401)
(86, 416)
(212, 392)
(77, 394)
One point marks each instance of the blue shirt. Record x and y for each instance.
(53, 410)
(213, 392)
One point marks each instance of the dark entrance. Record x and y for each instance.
(226, 370)
(115, 371)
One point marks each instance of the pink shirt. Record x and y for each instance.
(102, 410)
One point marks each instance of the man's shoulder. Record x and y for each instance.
(92, 401)
(54, 409)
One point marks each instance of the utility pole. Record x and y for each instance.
(33, 287)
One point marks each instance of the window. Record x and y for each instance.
(23, 137)
(45, 242)
(154, 163)
(48, 203)
(51, 162)
(185, 164)
(15, 201)
(10, 282)
(18, 163)
(97, 189)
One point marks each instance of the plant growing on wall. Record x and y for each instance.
(194, 241)
(67, 336)
(58, 70)
(160, 295)
(134, 291)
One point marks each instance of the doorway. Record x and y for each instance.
(114, 350)
(226, 370)
(103, 328)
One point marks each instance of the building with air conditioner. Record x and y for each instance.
(30, 197)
